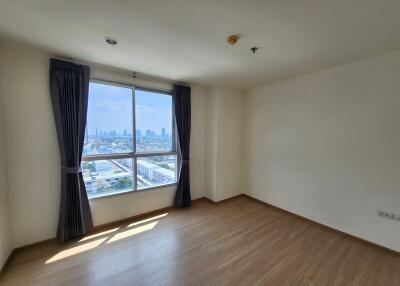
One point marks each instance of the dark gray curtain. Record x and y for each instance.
(69, 85)
(183, 123)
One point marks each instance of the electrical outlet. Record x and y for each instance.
(388, 215)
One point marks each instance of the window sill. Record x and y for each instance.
(132, 191)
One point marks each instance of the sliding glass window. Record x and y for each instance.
(130, 140)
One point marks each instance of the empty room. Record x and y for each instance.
(188, 142)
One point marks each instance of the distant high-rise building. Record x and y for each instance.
(125, 133)
(87, 136)
(152, 133)
(96, 132)
(138, 133)
(163, 132)
(148, 132)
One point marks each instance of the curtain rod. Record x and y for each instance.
(133, 74)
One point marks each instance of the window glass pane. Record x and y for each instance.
(153, 121)
(105, 177)
(155, 171)
(109, 120)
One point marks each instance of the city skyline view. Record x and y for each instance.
(109, 131)
(125, 132)
(110, 112)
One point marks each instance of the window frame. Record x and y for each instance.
(135, 155)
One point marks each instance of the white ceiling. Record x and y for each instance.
(185, 39)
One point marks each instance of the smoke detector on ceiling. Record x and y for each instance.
(111, 41)
(254, 49)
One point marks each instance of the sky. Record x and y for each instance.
(110, 108)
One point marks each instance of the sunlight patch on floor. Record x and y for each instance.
(99, 234)
(132, 232)
(148, 219)
(76, 250)
(109, 236)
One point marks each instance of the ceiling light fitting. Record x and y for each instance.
(232, 39)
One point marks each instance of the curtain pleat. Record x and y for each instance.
(183, 125)
(69, 87)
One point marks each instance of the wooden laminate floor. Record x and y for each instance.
(237, 242)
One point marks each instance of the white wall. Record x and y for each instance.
(33, 158)
(327, 146)
(224, 149)
(211, 145)
(5, 231)
(324, 145)
(31, 144)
